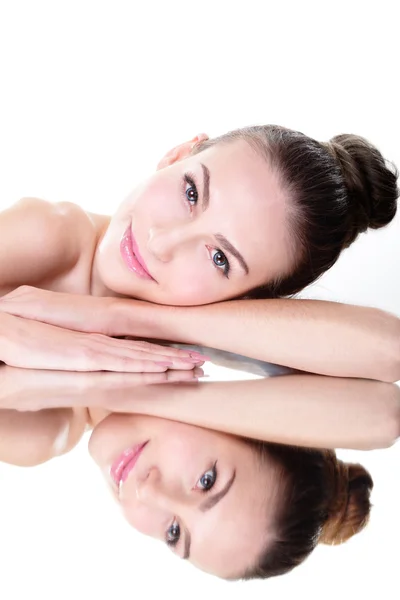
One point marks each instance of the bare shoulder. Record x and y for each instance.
(40, 239)
(55, 219)
(56, 215)
(29, 438)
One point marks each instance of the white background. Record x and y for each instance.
(91, 96)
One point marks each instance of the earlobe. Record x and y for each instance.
(201, 137)
(180, 152)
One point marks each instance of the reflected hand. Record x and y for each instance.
(33, 390)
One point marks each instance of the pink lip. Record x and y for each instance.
(131, 255)
(124, 464)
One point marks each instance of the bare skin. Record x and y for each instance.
(208, 227)
(309, 335)
(66, 290)
(42, 415)
(57, 254)
(304, 410)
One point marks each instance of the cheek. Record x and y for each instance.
(142, 518)
(193, 282)
(160, 199)
(189, 289)
(182, 455)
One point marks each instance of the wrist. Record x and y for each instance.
(140, 319)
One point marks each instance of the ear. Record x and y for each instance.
(180, 152)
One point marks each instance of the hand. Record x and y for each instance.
(33, 345)
(92, 314)
(29, 390)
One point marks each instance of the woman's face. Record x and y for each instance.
(205, 227)
(203, 493)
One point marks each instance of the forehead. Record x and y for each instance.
(240, 159)
(228, 540)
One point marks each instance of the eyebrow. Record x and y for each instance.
(205, 506)
(218, 236)
(206, 187)
(229, 248)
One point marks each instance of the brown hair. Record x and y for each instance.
(321, 500)
(337, 190)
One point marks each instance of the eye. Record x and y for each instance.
(220, 260)
(191, 192)
(207, 481)
(173, 534)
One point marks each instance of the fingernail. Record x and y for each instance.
(185, 359)
(191, 360)
(198, 356)
(164, 363)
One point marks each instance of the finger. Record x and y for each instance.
(178, 355)
(121, 364)
(167, 377)
(166, 362)
(168, 350)
(172, 361)
(118, 347)
(114, 380)
(129, 364)
(179, 376)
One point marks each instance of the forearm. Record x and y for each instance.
(310, 335)
(303, 410)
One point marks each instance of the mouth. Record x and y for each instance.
(131, 255)
(123, 465)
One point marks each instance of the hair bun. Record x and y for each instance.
(349, 510)
(370, 181)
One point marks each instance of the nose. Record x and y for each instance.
(164, 242)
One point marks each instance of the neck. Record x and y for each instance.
(97, 287)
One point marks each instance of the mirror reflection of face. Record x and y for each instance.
(208, 227)
(204, 494)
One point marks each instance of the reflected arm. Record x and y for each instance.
(303, 410)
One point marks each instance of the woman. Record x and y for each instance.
(175, 463)
(258, 213)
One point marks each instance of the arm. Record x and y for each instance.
(40, 242)
(310, 335)
(301, 410)
(43, 414)
(315, 336)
